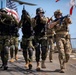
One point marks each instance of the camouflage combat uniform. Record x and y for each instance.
(40, 38)
(14, 41)
(62, 39)
(14, 48)
(27, 37)
(5, 22)
(0, 44)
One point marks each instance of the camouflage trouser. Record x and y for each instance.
(63, 45)
(27, 47)
(1, 44)
(51, 47)
(13, 46)
(40, 48)
(0, 49)
(5, 50)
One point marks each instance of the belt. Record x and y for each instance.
(63, 32)
(44, 38)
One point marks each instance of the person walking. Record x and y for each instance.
(61, 24)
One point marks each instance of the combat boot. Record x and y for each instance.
(30, 65)
(62, 71)
(50, 57)
(2, 66)
(16, 57)
(51, 61)
(5, 67)
(27, 65)
(43, 64)
(63, 68)
(12, 60)
(38, 66)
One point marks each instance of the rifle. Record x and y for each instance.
(25, 15)
(62, 18)
(26, 23)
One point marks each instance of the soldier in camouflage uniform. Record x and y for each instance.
(27, 37)
(62, 38)
(0, 35)
(40, 40)
(5, 22)
(14, 40)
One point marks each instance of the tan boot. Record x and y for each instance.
(16, 57)
(50, 57)
(43, 64)
(12, 60)
(51, 61)
(62, 71)
(63, 68)
(38, 66)
(30, 65)
(27, 65)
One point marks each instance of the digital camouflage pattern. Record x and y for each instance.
(63, 42)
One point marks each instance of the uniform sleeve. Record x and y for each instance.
(33, 22)
(44, 20)
(68, 21)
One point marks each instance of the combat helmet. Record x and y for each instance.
(57, 12)
(39, 10)
(3, 10)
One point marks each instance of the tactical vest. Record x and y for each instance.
(40, 27)
(50, 32)
(8, 25)
(26, 29)
(62, 27)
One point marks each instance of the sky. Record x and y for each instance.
(50, 6)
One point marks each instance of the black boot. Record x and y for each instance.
(1, 66)
(5, 67)
(30, 66)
